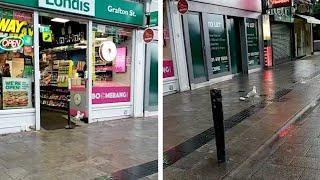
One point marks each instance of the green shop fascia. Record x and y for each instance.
(119, 11)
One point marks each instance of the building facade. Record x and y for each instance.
(82, 58)
(212, 42)
(288, 30)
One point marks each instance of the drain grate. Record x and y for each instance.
(281, 93)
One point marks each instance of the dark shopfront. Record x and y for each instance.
(282, 33)
(221, 41)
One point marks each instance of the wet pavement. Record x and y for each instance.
(294, 154)
(189, 113)
(117, 149)
(284, 91)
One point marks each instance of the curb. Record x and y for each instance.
(297, 116)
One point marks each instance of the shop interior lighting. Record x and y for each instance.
(60, 20)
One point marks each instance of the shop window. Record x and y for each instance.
(253, 42)
(112, 64)
(16, 60)
(218, 44)
(168, 68)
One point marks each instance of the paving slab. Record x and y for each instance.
(86, 152)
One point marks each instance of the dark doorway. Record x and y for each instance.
(233, 25)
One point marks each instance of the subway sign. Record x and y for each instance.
(85, 7)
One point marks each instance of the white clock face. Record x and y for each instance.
(77, 99)
(108, 51)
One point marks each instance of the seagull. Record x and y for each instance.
(252, 94)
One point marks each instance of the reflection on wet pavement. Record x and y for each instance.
(87, 152)
(293, 155)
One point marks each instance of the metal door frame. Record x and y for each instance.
(188, 49)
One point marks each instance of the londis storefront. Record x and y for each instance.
(81, 58)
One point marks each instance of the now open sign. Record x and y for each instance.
(11, 43)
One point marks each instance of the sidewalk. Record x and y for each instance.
(284, 91)
(293, 155)
(99, 150)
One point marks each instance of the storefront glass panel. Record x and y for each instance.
(253, 42)
(153, 82)
(196, 45)
(218, 44)
(168, 67)
(16, 60)
(112, 64)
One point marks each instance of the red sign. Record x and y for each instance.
(268, 56)
(183, 6)
(168, 70)
(279, 3)
(148, 35)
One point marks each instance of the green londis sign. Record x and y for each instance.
(27, 3)
(120, 11)
(85, 7)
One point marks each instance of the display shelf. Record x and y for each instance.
(55, 99)
(62, 49)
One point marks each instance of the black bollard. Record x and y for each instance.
(217, 112)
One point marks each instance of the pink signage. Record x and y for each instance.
(168, 70)
(103, 95)
(120, 63)
(22, 16)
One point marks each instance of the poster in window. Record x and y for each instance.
(120, 62)
(253, 42)
(16, 93)
(218, 43)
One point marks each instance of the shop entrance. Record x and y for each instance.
(63, 66)
(233, 25)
